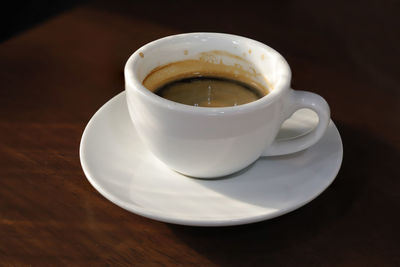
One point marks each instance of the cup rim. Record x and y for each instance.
(132, 81)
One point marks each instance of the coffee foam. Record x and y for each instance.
(214, 63)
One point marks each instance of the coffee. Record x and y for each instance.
(209, 92)
(212, 79)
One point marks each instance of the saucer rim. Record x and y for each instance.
(187, 221)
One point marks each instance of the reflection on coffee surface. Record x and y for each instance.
(209, 92)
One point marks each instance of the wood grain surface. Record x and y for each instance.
(56, 75)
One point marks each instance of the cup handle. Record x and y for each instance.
(298, 100)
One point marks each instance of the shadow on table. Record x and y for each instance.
(336, 226)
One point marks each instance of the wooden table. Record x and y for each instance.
(55, 76)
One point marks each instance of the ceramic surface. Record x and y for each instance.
(212, 142)
(124, 171)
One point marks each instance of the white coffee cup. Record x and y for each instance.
(212, 142)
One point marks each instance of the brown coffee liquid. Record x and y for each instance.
(209, 92)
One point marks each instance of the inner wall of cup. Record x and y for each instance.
(263, 64)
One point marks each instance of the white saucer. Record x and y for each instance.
(118, 165)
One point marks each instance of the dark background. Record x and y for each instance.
(60, 61)
(361, 33)
(17, 16)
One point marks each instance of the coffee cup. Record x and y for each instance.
(209, 142)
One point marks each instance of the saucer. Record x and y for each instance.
(120, 167)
